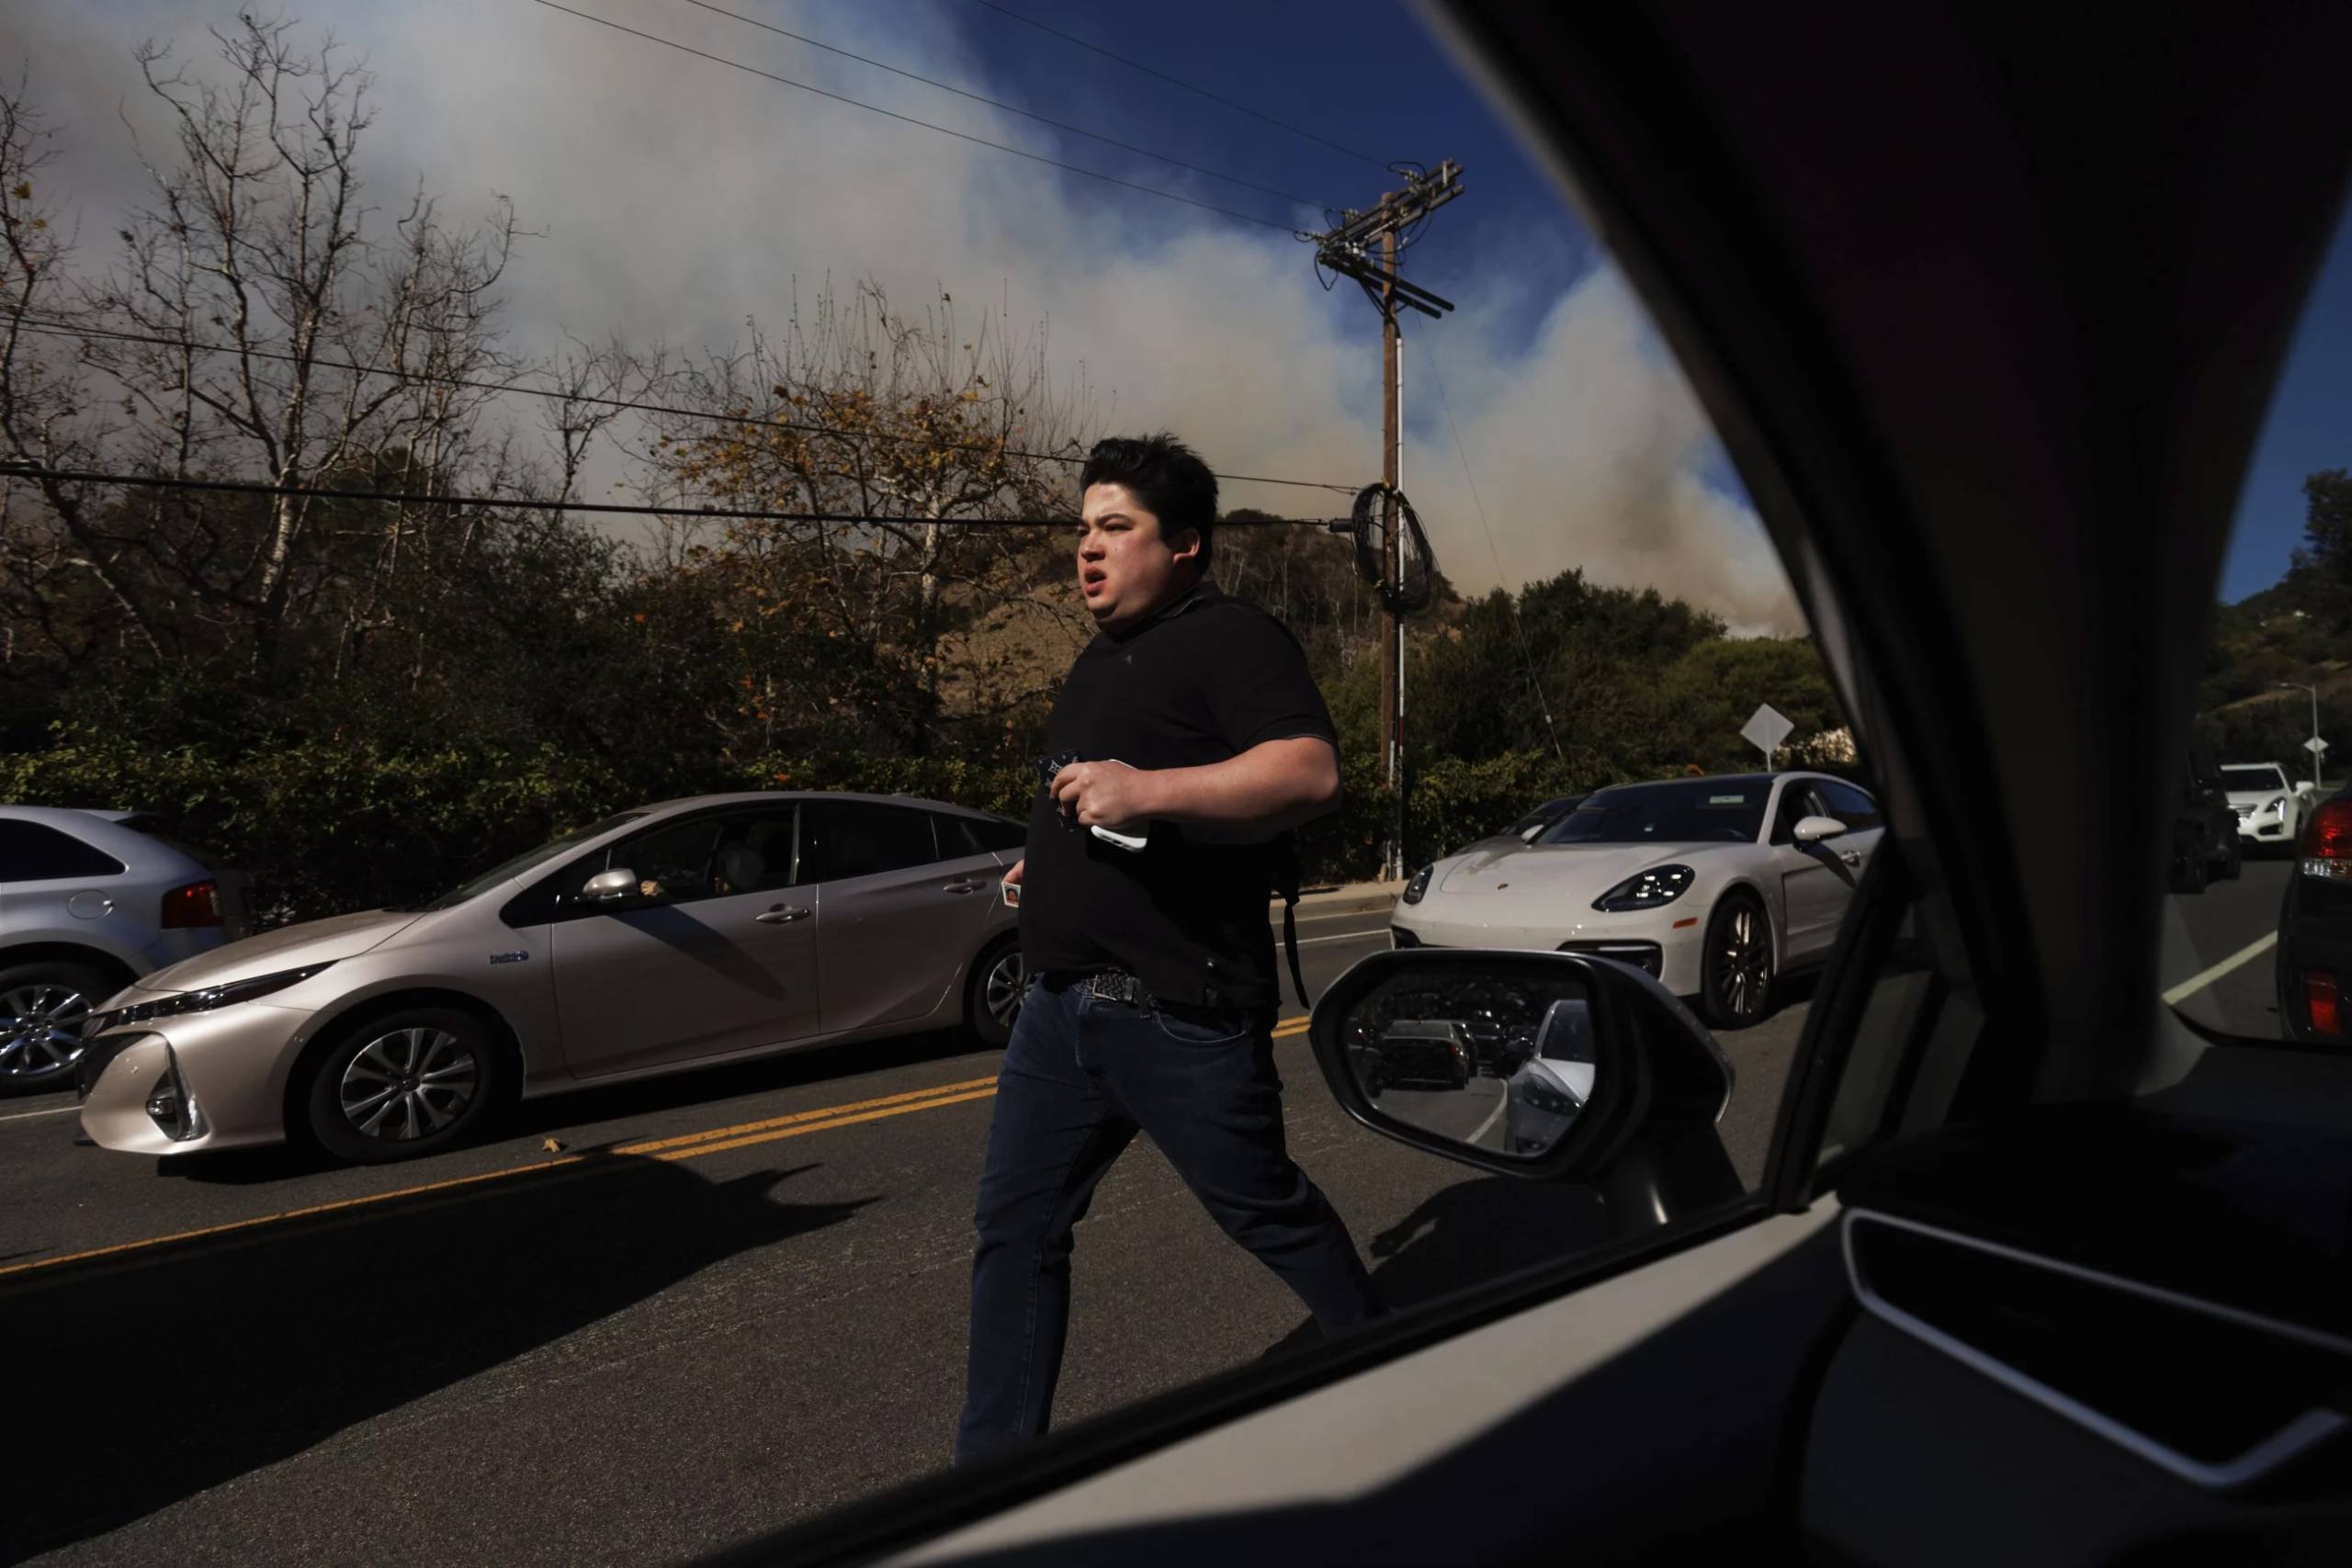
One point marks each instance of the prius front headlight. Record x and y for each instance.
(204, 1000)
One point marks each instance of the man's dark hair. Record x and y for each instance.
(1167, 476)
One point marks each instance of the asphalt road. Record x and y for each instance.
(650, 1321)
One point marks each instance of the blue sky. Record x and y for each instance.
(1378, 84)
(2308, 428)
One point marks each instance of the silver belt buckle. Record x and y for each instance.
(1114, 987)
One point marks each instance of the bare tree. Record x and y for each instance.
(911, 430)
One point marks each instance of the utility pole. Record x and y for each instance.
(2315, 749)
(1392, 625)
(1348, 249)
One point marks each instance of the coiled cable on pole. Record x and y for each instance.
(1417, 563)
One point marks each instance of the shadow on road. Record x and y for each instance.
(583, 1107)
(1468, 1233)
(156, 1376)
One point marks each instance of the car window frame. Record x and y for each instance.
(804, 877)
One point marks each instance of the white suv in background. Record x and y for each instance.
(89, 902)
(2270, 811)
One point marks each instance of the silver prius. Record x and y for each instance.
(670, 937)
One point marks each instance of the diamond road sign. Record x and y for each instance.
(1766, 730)
(2315, 745)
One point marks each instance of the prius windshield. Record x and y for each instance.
(1709, 810)
(507, 870)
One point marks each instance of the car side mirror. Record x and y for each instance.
(610, 886)
(1530, 834)
(1549, 1066)
(1813, 830)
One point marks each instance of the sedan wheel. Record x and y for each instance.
(409, 1085)
(998, 981)
(42, 1011)
(401, 1085)
(1737, 967)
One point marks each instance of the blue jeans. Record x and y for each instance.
(1082, 1075)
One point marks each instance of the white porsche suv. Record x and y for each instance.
(1715, 885)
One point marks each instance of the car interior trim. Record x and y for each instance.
(2297, 1436)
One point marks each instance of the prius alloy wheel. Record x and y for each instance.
(998, 981)
(403, 1085)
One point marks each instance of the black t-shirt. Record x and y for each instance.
(1204, 681)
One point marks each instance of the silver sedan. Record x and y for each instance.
(671, 937)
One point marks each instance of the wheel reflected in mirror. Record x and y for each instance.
(1502, 1065)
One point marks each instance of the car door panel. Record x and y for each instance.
(891, 945)
(896, 922)
(646, 985)
(642, 987)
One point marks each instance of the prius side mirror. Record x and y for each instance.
(1547, 1065)
(610, 886)
(1813, 830)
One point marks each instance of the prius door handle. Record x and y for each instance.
(783, 914)
(965, 886)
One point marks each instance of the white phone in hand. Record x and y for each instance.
(1133, 841)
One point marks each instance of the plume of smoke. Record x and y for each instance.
(678, 200)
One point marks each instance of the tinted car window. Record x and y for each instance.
(859, 837)
(1798, 801)
(673, 861)
(961, 835)
(755, 853)
(32, 851)
(1848, 805)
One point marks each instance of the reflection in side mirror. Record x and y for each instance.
(610, 886)
(1813, 830)
(1502, 1065)
(1578, 1070)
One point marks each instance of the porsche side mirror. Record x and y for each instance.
(610, 886)
(1547, 1065)
(1813, 830)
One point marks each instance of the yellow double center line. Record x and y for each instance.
(683, 1146)
(686, 1146)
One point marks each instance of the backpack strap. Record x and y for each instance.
(1287, 877)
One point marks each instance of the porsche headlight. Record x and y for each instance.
(1418, 886)
(204, 1000)
(1647, 890)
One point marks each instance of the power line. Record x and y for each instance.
(1178, 81)
(924, 124)
(60, 329)
(528, 503)
(1526, 653)
(1009, 108)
